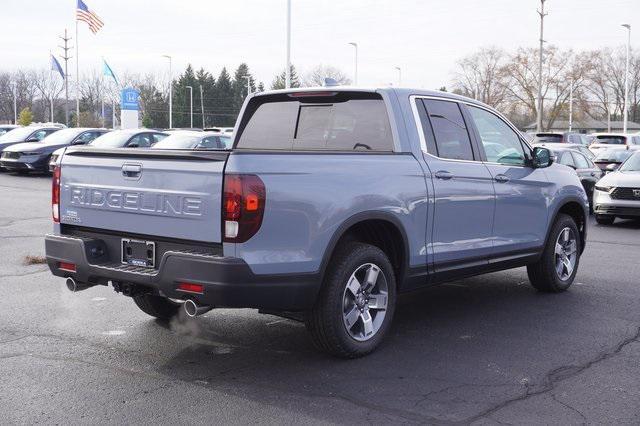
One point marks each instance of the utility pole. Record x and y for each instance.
(248, 78)
(540, 103)
(287, 79)
(626, 80)
(15, 102)
(399, 76)
(65, 57)
(202, 104)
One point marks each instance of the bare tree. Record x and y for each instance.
(482, 76)
(316, 77)
(50, 85)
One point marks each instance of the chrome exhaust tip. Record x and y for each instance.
(75, 286)
(192, 309)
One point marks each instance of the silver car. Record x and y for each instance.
(618, 193)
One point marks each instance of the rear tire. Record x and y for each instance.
(356, 304)
(156, 306)
(558, 265)
(605, 220)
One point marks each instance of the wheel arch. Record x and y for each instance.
(573, 207)
(378, 228)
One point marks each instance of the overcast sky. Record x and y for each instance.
(423, 37)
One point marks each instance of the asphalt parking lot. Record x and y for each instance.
(485, 350)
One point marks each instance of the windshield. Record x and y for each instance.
(190, 141)
(611, 140)
(547, 137)
(612, 156)
(632, 164)
(111, 140)
(17, 135)
(62, 136)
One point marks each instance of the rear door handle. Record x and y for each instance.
(501, 178)
(444, 175)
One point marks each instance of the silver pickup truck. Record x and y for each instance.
(330, 203)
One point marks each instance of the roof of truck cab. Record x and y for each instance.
(399, 91)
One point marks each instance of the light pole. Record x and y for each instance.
(202, 104)
(399, 76)
(170, 92)
(191, 96)
(248, 78)
(626, 80)
(540, 103)
(355, 74)
(15, 102)
(287, 80)
(570, 104)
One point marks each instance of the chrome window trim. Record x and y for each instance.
(423, 141)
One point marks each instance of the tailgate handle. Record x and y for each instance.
(131, 170)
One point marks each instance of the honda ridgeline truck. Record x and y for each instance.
(331, 202)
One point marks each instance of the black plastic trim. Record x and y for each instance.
(164, 154)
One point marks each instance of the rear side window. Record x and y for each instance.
(332, 123)
(451, 136)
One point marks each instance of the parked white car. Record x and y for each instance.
(617, 194)
(608, 140)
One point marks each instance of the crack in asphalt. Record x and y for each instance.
(555, 376)
(569, 407)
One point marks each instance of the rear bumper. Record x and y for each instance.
(228, 282)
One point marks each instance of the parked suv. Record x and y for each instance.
(560, 137)
(331, 202)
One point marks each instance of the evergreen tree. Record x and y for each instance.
(182, 99)
(26, 117)
(240, 85)
(224, 113)
(208, 83)
(279, 82)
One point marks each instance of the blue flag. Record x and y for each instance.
(108, 72)
(55, 66)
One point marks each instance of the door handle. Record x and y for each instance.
(443, 174)
(501, 178)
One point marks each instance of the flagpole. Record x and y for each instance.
(102, 95)
(51, 79)
(77, 77)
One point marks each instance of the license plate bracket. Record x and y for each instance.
(138, 253)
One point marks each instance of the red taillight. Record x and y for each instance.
(66, 266)
(191, 288)
(55, 194)
(242, 207)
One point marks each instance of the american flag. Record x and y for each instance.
(84, 14)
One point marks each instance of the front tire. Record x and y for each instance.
(156, 306)
(558, 265)
(605, 220)
(356, 304)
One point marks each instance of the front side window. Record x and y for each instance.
(567, 159)
(501, 144)
(449, 129)
(339, 122)
(581, 162)
(39, 135)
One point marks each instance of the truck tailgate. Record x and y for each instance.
(174, 194)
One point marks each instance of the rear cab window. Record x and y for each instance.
(448, 136)
(329, 121)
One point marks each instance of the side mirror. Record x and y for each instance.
(541, 157)
(612, 167)
(32, 139)
(133, 145)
